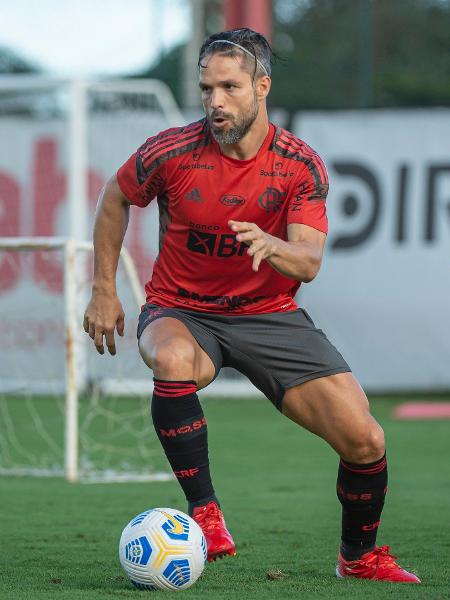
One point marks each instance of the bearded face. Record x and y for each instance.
(234, 126)
(229, 98)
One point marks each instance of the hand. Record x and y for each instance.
(262, 245)
(103, 314)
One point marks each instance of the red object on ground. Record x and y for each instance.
(423, 410)
(218, 539)
(378, 564)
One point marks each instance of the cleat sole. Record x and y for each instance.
(217, 555)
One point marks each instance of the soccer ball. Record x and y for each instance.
(164, 549)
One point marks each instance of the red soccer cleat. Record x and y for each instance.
(378, 564)
(218, 539)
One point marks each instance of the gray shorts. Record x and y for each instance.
(275, 351)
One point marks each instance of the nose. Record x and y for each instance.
(216, 99)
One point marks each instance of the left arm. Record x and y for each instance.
(298, 258)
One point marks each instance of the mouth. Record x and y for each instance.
(219, 122)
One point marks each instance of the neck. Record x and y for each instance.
(252, 141)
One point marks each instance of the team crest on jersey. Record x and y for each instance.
(271, 199)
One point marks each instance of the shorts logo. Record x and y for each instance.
(153, 313)
(212, 244)
(232, 200)
(271, 200)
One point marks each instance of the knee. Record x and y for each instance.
(173, 359)
(367, 447)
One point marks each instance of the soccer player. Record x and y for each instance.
(242, 225)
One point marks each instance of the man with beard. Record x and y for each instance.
(243, 224)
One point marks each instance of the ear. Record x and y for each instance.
(263, 87)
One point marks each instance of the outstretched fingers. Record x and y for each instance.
(246, 232)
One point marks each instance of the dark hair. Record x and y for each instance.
(255, 43)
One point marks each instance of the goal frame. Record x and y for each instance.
(70, 247)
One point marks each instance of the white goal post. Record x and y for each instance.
(70, 248)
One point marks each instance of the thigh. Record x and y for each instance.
(169, 340)
(336, 409)
(278, 351)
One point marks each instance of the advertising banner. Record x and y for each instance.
(383, 292)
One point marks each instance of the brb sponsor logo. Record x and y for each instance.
(271, 199)
(222, 245)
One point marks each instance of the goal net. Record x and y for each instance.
(64, 409)
(60, 143)
(59, 411)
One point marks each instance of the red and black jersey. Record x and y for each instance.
(200, 265)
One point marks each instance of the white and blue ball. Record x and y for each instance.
(164, 549)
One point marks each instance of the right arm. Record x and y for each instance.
(104, 312)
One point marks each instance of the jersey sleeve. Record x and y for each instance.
(141, 177)
(307, 201)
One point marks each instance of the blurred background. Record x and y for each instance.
(365, 82)
(82, 84)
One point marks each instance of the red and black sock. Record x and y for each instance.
(181, 427)
(361, 490)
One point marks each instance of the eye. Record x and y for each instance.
(229, 86)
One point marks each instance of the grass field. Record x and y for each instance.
(277, 486)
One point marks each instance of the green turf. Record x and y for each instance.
(276, 483)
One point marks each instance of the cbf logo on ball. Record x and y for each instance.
(138, 551)
(163, 549)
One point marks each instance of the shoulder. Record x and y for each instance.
(289, 146)
(169, 144)
(175, 136)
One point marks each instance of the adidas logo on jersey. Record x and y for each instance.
(194, 196)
